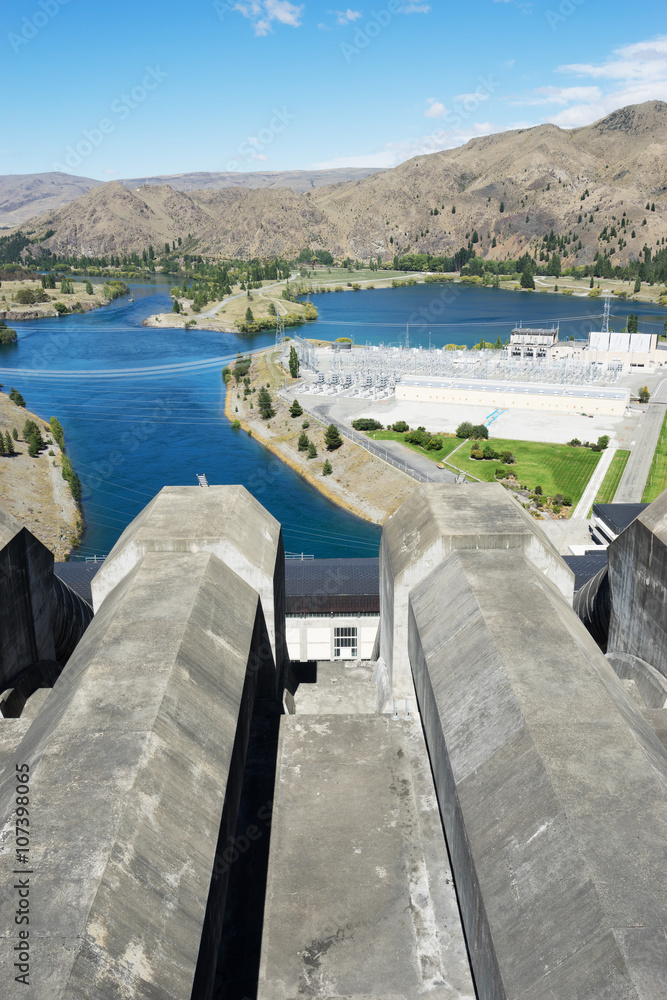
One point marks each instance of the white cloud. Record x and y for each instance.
(559, 95)
(259, 156)
(346, 16)
(631, 75)
(435, 110)
(264, 12)
(414, 8)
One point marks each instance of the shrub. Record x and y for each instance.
(366, 424)
(567, 501)
(236, 425)
(400, 426)
(303, 441)
(60, 308)
(538, 491)
(295, 409)
(556, 509)
(326, 468)
(25, 297)
(420, 437)
(305, 424)
(477, 454)
(490, 452)
(558, 498)
(435, 444)
(479, 431)
(464, 430)
(603, 441)
(508, 458)
(574, 443)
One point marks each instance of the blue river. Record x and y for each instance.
(144, 408)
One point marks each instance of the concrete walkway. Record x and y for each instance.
(633, 481)
(594, 484)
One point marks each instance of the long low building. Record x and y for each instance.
(521, 395)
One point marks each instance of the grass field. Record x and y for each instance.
(449, 444)
(657, 477)
(610, 482)
(557, 468)
(341, 275)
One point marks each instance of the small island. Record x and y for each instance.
(27, 295)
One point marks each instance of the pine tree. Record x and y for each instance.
(265, 403)
(295, 409)
(326, 468)
(249, 318)
(332, 438)
(638, 285)
(15, 434)
(2, 444)
(16, 397)
(312, 450)
(303, 442)
(89, 288)
(9, 444)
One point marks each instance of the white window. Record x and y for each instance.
(345, 643)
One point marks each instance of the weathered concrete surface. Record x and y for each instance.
(26, 582)
(435, 521)
(224, 520)
(360, 902)
(551, 784)
(338, 687)
(136, 762)
(638, 584)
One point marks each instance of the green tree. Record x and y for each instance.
(9, 444)
(303, 441)
(527, 280)
(295, 409)
(326, 468)
(603, 442)
(592, 283)
(633, 323)
(480, 432)
(293, 363)
(312, 450)
(2, 444)
(89, 288)
(58, 432)
(272, 309)
(644, 395)
(464, 430)
(502, 206)
(176, 308)
(15, 434)
(265, 403)
(16, 397)
(249, 318)
(332, 438)
(638, 285)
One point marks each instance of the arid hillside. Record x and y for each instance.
(502, 191)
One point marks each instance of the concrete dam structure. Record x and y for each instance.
(479, 811)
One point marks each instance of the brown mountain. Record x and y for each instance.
(23, 196)
(542, 178)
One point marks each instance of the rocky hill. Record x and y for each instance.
(23, 196)
(506, 189)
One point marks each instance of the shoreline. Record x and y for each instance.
(361, 507)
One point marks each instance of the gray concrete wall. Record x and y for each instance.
(224, 520)
(434, 521)
(26, 581)
(551, 785)
(135, 766)
(638, 584)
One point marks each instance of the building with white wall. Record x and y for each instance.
(508, 395)
(332, 608)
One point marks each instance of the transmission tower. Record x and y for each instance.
(605, 315)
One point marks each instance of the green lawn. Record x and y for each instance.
(341, 275)
(557, 468)
(449, 444)
(657, 477)
(607, 490)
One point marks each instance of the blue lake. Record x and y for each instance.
(144, 408)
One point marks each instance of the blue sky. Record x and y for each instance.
(130, 89)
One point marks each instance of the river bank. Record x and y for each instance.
(33, 489)
(360, 482)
